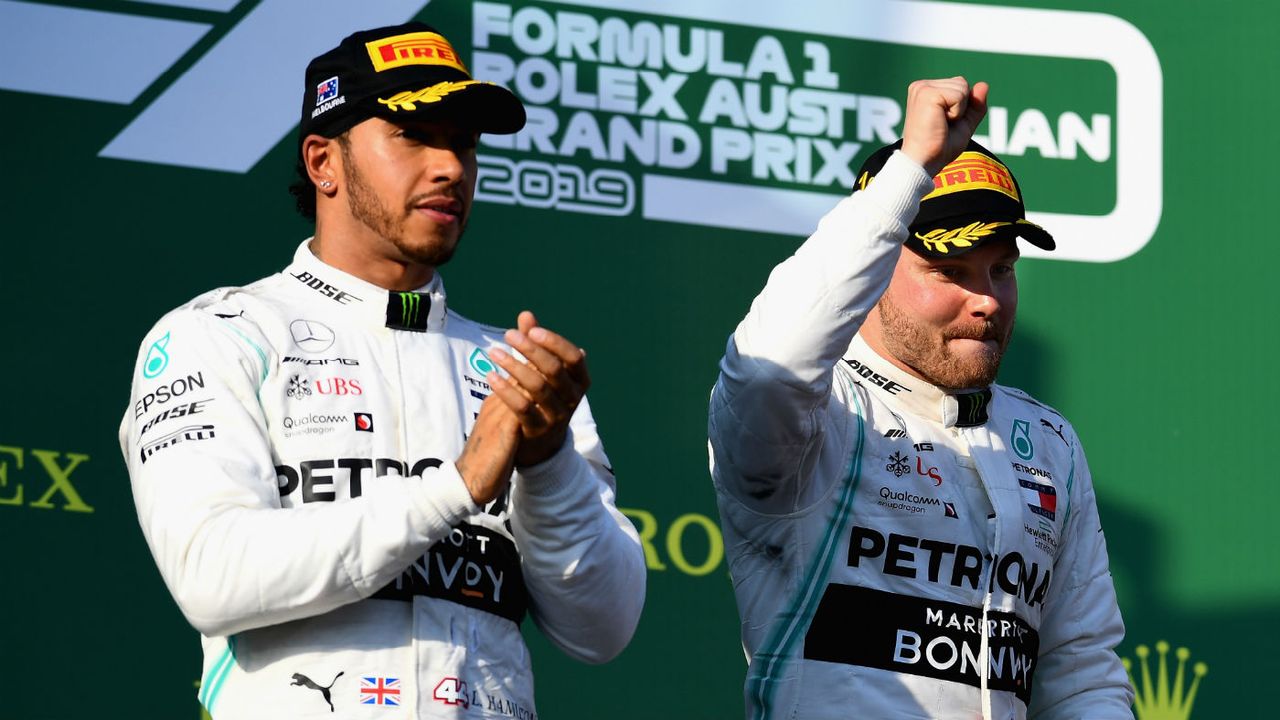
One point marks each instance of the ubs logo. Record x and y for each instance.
(312, 336)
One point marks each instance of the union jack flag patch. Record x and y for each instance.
(379, 691)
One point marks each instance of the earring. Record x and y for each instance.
(326, 184)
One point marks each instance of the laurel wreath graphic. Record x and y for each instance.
(938, 239)
(407, 100)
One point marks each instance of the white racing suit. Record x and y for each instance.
(291, 448)
(876, 525)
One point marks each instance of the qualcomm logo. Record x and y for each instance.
(250, 79)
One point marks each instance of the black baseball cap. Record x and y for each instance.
(400, 71)
(975, 198)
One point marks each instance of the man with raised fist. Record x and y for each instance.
(908, 539)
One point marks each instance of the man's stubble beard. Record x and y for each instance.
(928, 353)
(369, 210)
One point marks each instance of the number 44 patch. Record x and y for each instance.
(452, 691)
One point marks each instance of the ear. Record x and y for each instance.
(322, 158)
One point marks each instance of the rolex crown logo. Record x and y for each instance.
(1163, 701)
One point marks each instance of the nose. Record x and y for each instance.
(983, 302)
(446, 166)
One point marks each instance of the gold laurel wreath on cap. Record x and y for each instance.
(406, 100)
(963, 237)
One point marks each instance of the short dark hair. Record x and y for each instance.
(303, 190)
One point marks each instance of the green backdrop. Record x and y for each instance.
(680, 150)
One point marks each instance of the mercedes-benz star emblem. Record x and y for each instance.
(311, 336)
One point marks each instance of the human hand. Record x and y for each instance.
(489, 456)
(941, 118)
(542, 392)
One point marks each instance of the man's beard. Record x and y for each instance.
(366, 208)
(928, 353)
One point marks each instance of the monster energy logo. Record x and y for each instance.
(972, 408)
(410, 305)
(406, 310)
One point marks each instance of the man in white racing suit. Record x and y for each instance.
(906, 538)
(354, 493)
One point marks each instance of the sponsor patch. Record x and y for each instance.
(473, 566)
(420, 48)
(299, 387)
(898, 465)
(973, 171)
(924, 637)
(189, 433)
(1041, 498)
(157, 358)
(183, 410)
(480, 362)
(1020, 440)
(311, 336)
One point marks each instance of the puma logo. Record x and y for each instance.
(304, 681)
(1056, 430)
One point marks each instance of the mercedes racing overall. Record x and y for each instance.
(291, 448)
(898, 551)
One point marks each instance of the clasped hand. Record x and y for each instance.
(526, 420)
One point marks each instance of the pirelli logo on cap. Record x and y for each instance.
(420, 48)
(973, 171)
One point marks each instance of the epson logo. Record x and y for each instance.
(165, 393)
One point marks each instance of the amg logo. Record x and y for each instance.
(325, 361)
(895, 433)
